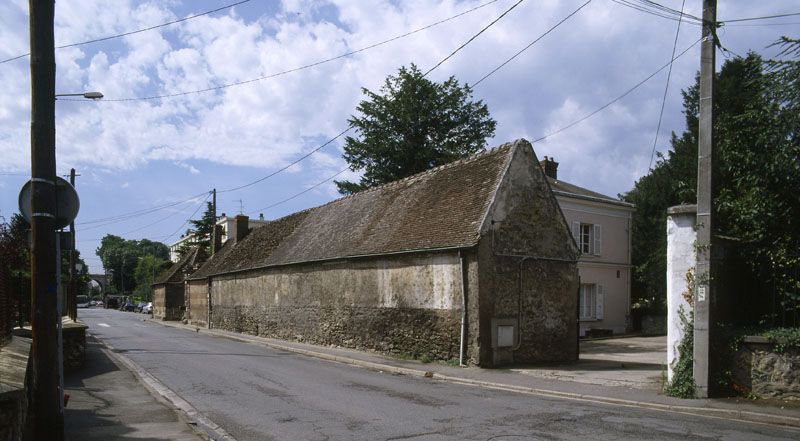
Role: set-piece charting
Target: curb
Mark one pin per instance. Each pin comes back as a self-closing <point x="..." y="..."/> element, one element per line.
<point x="208" y="428"/>
<point x="706" y="412"/>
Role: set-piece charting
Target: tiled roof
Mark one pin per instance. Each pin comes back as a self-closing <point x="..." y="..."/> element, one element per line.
<point x="571" y="190"/>
<point x="178" y="270"/>
<point x="440" y="208"/>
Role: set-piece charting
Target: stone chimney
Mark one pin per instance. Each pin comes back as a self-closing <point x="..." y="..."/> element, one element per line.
<point x="261" y="216"/>
<point x="216" y="239"/>
<point x="242" y="227"/>
<point x="549" y="167"/>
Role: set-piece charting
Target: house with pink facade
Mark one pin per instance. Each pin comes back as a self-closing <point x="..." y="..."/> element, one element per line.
<point x="601" y="227"/>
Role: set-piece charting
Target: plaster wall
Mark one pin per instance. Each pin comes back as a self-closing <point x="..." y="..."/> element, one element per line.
<point x="168" y="301"/>
<point x="197" y="302"/>
<point x="409" y="304"/>
<point x="681" y="236"/>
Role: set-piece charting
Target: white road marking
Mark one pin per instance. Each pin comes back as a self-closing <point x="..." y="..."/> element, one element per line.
<point x="104" y="325"/>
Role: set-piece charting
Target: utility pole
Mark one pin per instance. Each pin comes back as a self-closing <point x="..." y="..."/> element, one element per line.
<point x="47" y="418"/>
<point x="214" y="226"/>
<point x="704" y="295"/>
<point x="72" y="299"/>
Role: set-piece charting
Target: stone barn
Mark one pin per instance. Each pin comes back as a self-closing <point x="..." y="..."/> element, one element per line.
<point x="472" y="260"/>
<point x="169" y="290"/>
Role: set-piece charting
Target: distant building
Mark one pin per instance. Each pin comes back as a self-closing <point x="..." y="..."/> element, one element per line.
<point x="227" y="223"/>
<point x="601" y="226"/>
<point x="472" y="256"/>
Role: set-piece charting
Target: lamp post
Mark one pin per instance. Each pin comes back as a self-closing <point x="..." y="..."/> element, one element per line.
<point x="87" y="95"/>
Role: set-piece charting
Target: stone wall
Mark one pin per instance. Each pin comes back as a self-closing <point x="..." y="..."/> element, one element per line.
<point x="528" y="272"/>
<point x="765" y="373"/>
<point x="13" y="388"/>
<point x="197" y="302"/>
<point x="168" y="301"/>
<point x="409" y="304"/>
<point x="74" y="338"/>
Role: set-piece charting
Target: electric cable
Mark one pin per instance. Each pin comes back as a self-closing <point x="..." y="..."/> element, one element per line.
<point x="531" y="43"/>
<point x="666" y="88"/>
<point x="124" y="34"/>
<point x="295" y="69"/>
<point x="300" y="193"/>
<point x="350" y="126"/>
<point x="623" y="95"/>
<point x="132" y="214"/>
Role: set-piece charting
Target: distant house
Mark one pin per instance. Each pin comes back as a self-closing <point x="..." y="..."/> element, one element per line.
<point x="168" y="289"/>
<point x="227" y="224"/>
<point x="601" y="226"/>
<point x="472" y="258"/>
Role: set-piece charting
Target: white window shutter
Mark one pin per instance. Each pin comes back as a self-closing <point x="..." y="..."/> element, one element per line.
<point x="576" y="232"/>
<point x="598" y="240"/>
<point x="598" y="313"/>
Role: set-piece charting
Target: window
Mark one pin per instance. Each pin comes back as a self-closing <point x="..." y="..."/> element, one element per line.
<point x="591" y="301"/>
<point x="588" y="237"/>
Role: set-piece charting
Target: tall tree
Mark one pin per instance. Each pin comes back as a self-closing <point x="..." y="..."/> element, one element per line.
<point x="121" y="256"/>
<point x="201" y="232"/>
<point x="756" y="176"/>
<point x="411" y="125"/>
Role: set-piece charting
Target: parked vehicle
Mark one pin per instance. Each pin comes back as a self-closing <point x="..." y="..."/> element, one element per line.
<point x="112" y="303"/>
<point x="82" y="301"/>
<point x="128" y="307"/>
<point x="139" y="307"/>
<point x="147" y="308"/>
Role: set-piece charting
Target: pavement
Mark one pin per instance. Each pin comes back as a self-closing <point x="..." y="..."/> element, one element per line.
<point x="108" y="402"/>
<point x="113" y="398"/>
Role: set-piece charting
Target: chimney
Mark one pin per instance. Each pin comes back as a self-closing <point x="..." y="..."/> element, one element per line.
<point x="242" y="227"/>
<point x="261" y="216"/>
<point x="216" y="239"/>
<point x="549" y="167"/>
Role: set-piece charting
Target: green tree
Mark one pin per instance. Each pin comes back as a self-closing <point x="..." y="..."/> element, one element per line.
<point x="756" y="176"/>
<point x="201" y="233"/>
<point x="412" y="125"/>
<point x="121" y="256"/>
<point x="147" y="269"/>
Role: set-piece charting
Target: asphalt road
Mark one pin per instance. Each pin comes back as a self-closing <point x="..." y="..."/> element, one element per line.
<point x="258" y="393"/>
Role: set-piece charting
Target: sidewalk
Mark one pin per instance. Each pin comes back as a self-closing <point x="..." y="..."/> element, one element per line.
<point x="107" y="402"/>
<point x="526" y="380"/>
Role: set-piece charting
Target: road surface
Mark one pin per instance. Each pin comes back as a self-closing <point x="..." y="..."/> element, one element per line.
<point x="257" y="393"/>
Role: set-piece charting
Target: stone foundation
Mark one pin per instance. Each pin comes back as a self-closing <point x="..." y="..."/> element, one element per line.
<point x="13" y="388"/>
<point x="406" y="331"/>
<point x="762" y="372"/>
<point x="74" y="338"/>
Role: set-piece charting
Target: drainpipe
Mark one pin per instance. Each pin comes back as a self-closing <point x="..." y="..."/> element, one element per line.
<point x="464" y="279"/>
<point x="519" y="303"/>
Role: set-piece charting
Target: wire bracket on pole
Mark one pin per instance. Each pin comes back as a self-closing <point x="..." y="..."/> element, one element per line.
<point x="51" y="216"/>
<point x="44" y="181"/>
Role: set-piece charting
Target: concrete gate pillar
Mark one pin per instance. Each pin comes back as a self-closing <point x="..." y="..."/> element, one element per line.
<point x="681" y="260"/>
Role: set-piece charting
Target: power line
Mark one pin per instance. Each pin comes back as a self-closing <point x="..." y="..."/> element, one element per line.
<point x="735" y="20"/>
<point x="666" y="87"/>
<point x="188" y="219"/>
<point x="350" y="126"/>
<point x="137" y="213"/>
<point x="301" y="193"/>
<point x="531" y="43"/>
<point x="472" y="38"/>
<point x="150" y="28"/>
<point x="623" y="95"/>
<point x="295" y="69"/>
<point x="659" y="10"/>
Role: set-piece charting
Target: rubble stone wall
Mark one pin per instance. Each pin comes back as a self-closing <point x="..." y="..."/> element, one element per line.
<point x="408" y="305"/>
<point x="764" y="372"/>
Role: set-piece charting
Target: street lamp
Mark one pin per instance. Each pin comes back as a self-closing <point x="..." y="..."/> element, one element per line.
<point x="87" y="95"/>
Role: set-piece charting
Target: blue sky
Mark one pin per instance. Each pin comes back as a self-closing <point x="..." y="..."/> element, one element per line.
<point x="133" y="155"/>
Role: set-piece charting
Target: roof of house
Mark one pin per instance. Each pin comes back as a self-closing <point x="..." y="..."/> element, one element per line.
<point x="177" y="272"/>
<point x="441" y="208"/>
<point x="571" y="190"/>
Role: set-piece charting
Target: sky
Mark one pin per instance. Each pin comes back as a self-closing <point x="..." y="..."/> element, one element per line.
<point x="280" y="87"/>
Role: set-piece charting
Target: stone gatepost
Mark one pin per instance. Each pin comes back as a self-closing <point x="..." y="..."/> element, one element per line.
<point x="681" y="259"/>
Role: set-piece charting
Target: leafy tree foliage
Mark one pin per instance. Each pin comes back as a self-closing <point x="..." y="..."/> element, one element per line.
<point x="411" y="125"/>
<point x="757" y="174"/>
<point x="147" y="270"/>
<point x="120" y="258"/>
<point x="201" y="233"/>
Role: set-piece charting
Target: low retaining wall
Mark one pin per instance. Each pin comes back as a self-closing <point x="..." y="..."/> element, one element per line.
<point x="13" y="388"/>
<point x="74" y="338"/>
<point x="763" y="372"/>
